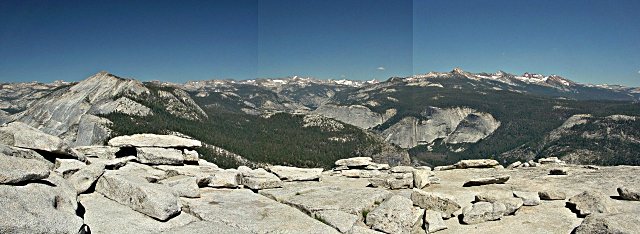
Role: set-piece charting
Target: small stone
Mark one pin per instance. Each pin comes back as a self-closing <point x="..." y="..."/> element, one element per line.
<point x="629" y="194"/>
<point x="528" y="198"/>
<point x="552" y="195"/>
<point x="514" y="165"/>
<point x="484" y="181"/>
<point x="434" y="222"/>
<point x="558" y="171"/>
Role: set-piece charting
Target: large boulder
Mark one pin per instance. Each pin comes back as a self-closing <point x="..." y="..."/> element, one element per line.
<point x="21" y="135"/>
<point x="38" y="208"/>
<point x="355" y="162"/>
<point x="154" y="200"/>
<point x="552" y="195"/>
<point x="21" y="153"/>
<point x="158" y="156"/>
<point x="489" y="180"/>
<point x="433" y="201"/>
<point x="153" y="140"/>
<point x="477" y="163"/>
<point x="421" y="178"/>
<point x="15" y="170"/>
<point x="393" y="181"/>
<point x="482" y="212"/>
<point x="609" y="223"/>
<point x="260" y="179"/>
<point x="629" y="194"/>
<point x="395" y="215"/>
<point x="86" y="177"/>
<point x="296" y="174"/>
<point x="590" y="202"/>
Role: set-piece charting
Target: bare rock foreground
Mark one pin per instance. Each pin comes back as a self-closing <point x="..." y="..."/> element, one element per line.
<point x="157" y="184"/>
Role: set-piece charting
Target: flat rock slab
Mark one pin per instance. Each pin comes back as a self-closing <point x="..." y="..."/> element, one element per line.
<point x="38" y="208"/>
<point x="104" y="215"/>
<point x="104" y="152"/>
<point x="433" y="221"/>
<point x="318" y="198"/>
<point x="296" y="174"/>
<point x="552" y="195"/>
<point x="15" y="170"/>
<point x="339" y="220"/>
<point x="159" y="156"/>
<point x="482" y="212"/>
<point x="476" y="163"/>
<point x="154" y="200"/>
<point x="489" y="180"/>
<point x="66" y="167"/>
<point x="153" y="140"/>
<point x="355" y="162"/>
<point x="260" y="179"/>
<point x="251" y="212"/>
<point x="183" y="186"/>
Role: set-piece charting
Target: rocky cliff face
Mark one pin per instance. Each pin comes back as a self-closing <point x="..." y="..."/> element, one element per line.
<point x="452" y="125"/>
<point x="68" y="112"/>
<point x="356" y="115"/>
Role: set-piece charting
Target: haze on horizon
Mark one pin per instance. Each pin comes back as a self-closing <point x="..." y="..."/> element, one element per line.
<point x="588" y="42"/>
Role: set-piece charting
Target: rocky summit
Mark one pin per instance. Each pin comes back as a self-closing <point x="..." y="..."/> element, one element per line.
<point x="158" y="184"/>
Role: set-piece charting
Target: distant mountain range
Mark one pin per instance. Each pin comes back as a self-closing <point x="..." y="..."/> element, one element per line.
<point x="434" y="118"/>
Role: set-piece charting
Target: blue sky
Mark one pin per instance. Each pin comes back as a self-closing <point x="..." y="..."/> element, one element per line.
<point x="586" y="41"/>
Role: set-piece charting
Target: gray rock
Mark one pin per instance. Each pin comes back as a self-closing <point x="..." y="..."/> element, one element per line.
<point x="296" y="174"/>
<point x="147" y="172"/>
<point x="158" y="156"/>
<point x="489" y="180"/>
<point x="609" y="223"/>
<point x="311" y="199"/>
<point x="103" y="152"/>
<point x="362" y="230"/>
<point x="203" y="162"/>
<point x="86" y="177"/>
<point x="355" y="173"/>
<point x="550" y="160"/>
<point x="356" y="115"/>
<point x="476" y="163"/>
<point x="66" y="167"/>
<point x="154" y="200"/>
<point x="421" y="178"/>
<point x="514" y="165"/>
<point x="206" y="227"/>
<point x="528" y="198"/>
<point x="433" y="221"/>
<point x="393" y="181"/>
<point x="481" y="212"/>
<point x="112" y="164"/>
<point x="418" y="221"/>
<point x="123" y="105"/>
<point x="558" y="171"/>
<point x="552" y="195"/>
<point x="629" y="194"/>
<point x="355" y="162"/>
<point x="395" y="215"/>
<point x="183" y="186"/>
<point x="433" y="201"/>
<point x="21" y="153"/>
<point x="402" y="169"/>
<point x="153" y="140"/>
<point x="260" y="179"/>
<point x="444" y="168"/>
<point x="251" y="212"/>
<point x="21" y="135"/>
<point x="104" y="215"/>
<point x="590" y="202"/>
<point x="38" y="208"/>
<point x="377" y="166"/>
<point x="15" y="170"/>
<point x="339" y="220"/>
<point x="190" y="156"/>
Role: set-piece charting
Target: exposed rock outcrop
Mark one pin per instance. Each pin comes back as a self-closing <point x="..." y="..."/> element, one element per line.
<point x="356" y="115"/>
<point x="453" y="125"/>
<point x="16" y="170"/>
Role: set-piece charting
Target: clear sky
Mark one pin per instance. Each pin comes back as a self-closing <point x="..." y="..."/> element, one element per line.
<point x="586" y="41"/>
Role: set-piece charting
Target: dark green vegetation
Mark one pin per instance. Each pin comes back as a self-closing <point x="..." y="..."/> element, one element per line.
<point x="279" y="139"/>
<point x="525" y="121"/>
